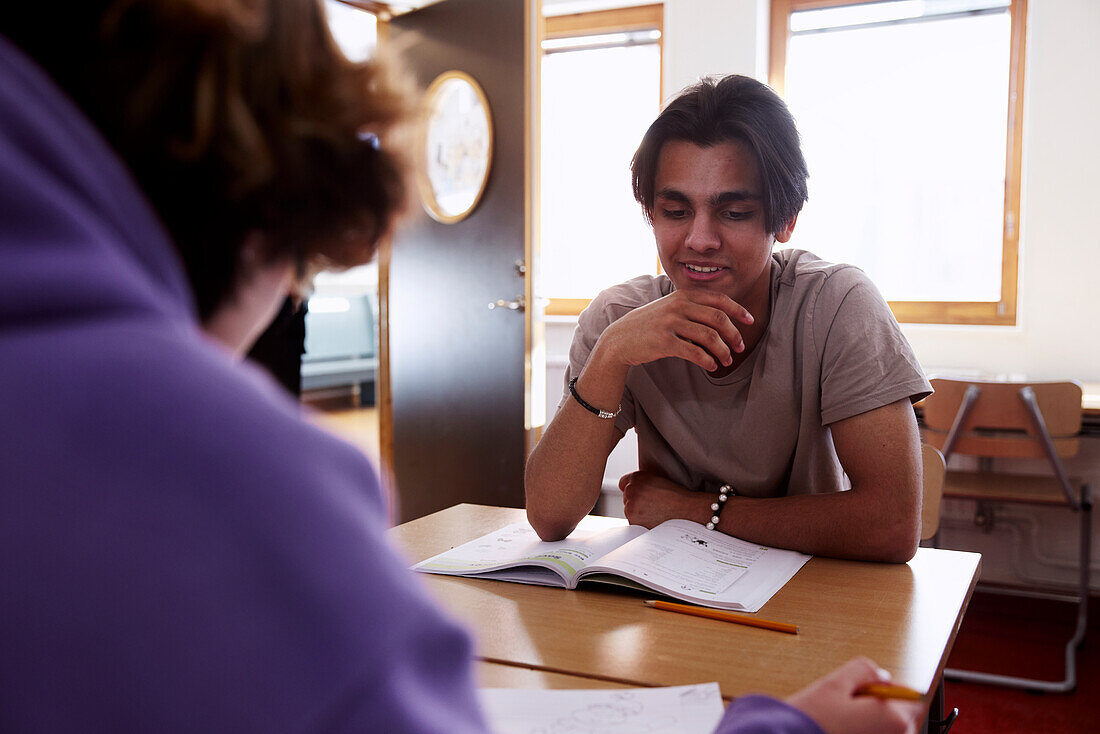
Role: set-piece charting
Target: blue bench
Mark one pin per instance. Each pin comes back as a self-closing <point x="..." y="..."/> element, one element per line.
<point x="341" y="343"/>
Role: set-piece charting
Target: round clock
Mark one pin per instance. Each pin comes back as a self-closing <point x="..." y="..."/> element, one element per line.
<point x="457" y="147"/>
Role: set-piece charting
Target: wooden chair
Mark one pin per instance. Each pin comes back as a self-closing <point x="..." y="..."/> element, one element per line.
<point x="1015" y="420"/>
<point x="934" y="469"/>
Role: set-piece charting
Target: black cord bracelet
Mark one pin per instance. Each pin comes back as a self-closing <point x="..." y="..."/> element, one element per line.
<point x="590" y="408"/>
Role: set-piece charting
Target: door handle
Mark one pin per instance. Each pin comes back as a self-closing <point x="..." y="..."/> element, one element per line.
<point x="520" y="304"/>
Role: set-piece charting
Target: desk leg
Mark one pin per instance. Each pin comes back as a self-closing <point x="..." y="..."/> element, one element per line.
<point x="938" y="721"/>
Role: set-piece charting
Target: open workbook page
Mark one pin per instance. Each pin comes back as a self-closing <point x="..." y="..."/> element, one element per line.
<point x="678" y="558"/>
<point x="683" y="559"/>
<point x="516" y="553"/>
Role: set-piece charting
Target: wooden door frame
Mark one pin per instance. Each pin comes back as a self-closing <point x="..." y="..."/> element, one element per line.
<point x="383" y="396"/>
<point x="534" y="405"/>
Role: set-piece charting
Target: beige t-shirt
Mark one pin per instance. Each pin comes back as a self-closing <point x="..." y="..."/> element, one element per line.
<point x="832" y="350"/>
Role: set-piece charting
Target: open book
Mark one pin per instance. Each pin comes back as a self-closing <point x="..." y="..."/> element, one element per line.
<point x="678" y="558"/>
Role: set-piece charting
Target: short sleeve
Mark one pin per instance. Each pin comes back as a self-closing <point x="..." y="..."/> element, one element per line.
<point x="866" y="362"/>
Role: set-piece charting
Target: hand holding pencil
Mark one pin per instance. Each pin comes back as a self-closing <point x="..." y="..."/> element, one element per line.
<point x="858" y="698"/>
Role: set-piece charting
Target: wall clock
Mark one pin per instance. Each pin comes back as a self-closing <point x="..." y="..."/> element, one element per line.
<point x="457" y="147"/>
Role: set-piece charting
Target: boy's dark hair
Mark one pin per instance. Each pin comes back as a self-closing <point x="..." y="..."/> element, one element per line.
<point x="235" y="116"/>
<point x="733" y="108"/>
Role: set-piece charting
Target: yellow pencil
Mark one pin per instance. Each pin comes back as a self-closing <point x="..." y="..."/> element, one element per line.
<point x="791" y="629"/>
<point x="889" y="690"/>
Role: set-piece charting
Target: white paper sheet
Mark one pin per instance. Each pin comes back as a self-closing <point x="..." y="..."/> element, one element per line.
<point x="673" y="710"/>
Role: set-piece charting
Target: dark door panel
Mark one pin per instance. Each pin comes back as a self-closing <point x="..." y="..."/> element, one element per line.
<point x="457" y="366"/>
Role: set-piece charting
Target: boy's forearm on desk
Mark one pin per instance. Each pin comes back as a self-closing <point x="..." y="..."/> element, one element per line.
<point x="838" y="525"/>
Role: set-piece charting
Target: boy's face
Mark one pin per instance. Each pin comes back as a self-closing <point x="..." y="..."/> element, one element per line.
<point x="708" y="220"/>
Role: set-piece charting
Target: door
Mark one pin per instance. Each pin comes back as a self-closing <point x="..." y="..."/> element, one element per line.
<point x="458" y="405"/>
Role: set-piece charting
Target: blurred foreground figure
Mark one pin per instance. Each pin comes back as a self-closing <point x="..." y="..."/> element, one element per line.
<point x="179" y="550"/>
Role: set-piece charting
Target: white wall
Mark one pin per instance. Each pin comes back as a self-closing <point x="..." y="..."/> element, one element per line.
<point x="703" y="37"/>
<point x="1059" y="311"/>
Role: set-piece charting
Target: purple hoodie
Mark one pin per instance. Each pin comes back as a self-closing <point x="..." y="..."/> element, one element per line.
<point x="179" y="550"/>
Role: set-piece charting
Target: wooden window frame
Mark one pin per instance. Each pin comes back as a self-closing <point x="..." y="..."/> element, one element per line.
<point x="1002" y="313"/>
<point x="380" y="10"/>
<point x="616" y="20"/>
<point x="577" y="25"/>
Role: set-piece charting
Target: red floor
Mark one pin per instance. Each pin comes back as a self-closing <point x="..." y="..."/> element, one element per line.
<point x="1024" y="637"/>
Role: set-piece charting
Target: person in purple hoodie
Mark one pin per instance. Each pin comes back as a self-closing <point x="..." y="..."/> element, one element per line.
<point x="179" y="550"/>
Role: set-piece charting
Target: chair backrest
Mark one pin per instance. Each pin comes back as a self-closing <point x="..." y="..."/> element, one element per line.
<point x="934" y="469"/>
<point x="998" y="422"/>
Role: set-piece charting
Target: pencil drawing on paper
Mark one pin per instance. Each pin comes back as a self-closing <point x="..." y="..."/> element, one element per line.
<point x="674" y="710"/>
<point x="622" y="713"/>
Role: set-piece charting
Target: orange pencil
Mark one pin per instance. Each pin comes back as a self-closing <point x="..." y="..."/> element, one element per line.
<point x="791" y="629"/>
<point x="889" y="690"/>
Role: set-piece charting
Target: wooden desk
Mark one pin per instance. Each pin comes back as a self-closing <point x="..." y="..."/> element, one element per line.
<point x="905" y="617"/>
<point x="498" y="675"/>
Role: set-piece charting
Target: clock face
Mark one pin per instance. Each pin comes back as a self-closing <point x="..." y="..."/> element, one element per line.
<point x="457" y="147"/>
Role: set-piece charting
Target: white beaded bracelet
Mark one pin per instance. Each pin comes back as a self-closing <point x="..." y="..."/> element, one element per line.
<point x="716" y="507"/>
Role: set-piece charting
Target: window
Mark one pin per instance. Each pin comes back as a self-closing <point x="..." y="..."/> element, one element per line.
<point x="601" y="88"/>
<point x="354" y="30"/>
<point x="356" y="34"/>
<point x="342" y="317"/>
<point x="909" y="112"/>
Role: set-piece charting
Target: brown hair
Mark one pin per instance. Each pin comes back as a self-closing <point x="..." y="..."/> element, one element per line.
<point x="235" y="116"/>
<point x="733" y="108"/>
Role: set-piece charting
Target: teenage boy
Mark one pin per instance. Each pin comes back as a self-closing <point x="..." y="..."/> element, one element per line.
<point x="761" y="384"/>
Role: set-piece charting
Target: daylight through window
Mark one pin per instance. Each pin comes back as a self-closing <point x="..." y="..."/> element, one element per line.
<point x="903" y="109"/>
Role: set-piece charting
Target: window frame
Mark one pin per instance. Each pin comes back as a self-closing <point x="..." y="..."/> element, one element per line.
<point x="578" y="25"/>
<point x="379" y="9"/>
<point x="1003" y="312"/>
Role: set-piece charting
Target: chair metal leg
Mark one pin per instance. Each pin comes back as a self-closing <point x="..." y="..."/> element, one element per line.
<point x="1070" y="681"/>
